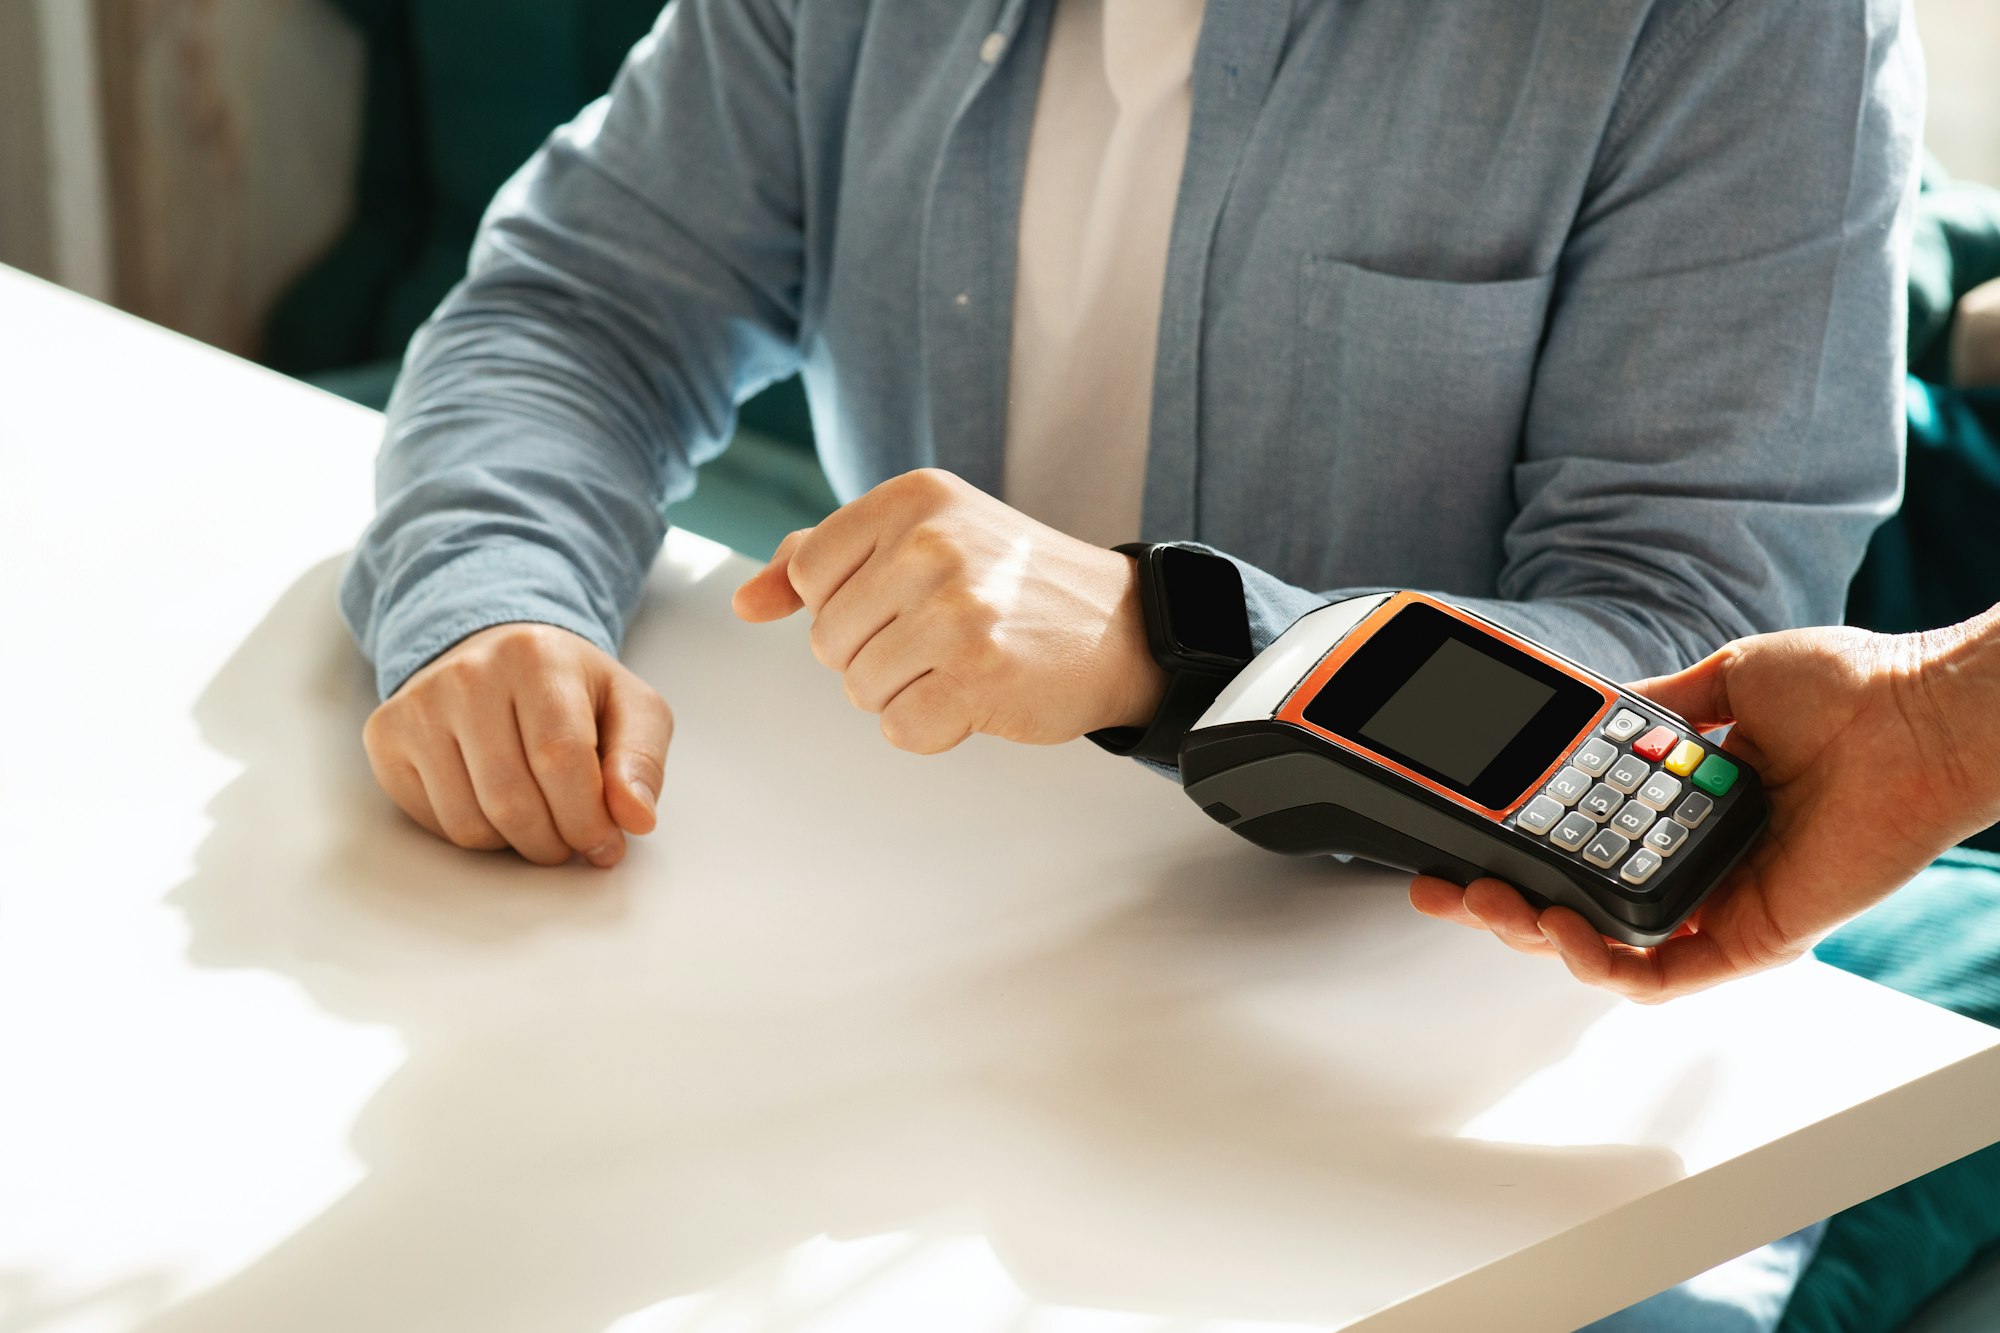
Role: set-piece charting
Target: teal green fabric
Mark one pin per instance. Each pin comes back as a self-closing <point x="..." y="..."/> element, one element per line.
<point x="1939" y="940"/>
<point x="495" y="77"/>
<point x="332" y="316"/>
<point x="760" y="489"/>
<point x="1956" y="247"/>
<point x="1938" y="560"/>
<point x="459" y="93"/>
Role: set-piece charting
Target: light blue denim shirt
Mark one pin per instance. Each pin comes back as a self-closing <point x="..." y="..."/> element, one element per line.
<point x="1586" y="313"/>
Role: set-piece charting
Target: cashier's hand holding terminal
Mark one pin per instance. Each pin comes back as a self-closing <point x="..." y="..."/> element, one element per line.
<point x="1878" y="752"/>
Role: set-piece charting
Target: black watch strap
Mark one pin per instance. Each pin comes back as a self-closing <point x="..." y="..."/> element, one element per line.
<point x="1189" y="693"/>
<point x="1191" y="686"/>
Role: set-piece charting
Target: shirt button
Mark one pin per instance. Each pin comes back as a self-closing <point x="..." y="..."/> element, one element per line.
<point x="993" y="48"/>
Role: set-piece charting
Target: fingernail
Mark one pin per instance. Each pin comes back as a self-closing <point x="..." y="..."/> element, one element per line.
<point x="643" y="790"/>
<point x="603" y="856"/>
<point x="1547" y="934"/>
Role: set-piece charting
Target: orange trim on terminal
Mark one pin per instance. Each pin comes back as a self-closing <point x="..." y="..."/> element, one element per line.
<point x="1293" y="710"/>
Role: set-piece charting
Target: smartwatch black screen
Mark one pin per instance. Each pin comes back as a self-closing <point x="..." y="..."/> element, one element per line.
<point x="1203" y="595"/>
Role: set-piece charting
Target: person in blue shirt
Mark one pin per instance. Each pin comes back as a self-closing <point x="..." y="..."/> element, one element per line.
<point x="1587" y="313"/>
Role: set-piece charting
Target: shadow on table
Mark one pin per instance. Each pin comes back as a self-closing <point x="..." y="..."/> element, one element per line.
<point x="623" y="1087"/>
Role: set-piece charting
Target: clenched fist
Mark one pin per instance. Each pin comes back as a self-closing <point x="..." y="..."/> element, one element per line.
<point x="525" y="736"/>
<point x="949" y="613"/>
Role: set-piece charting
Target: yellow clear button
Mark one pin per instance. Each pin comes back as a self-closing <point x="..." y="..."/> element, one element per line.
<point x="1685" y="759"/>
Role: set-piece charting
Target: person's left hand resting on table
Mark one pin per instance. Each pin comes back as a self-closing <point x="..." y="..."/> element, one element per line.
<point x="949" y="613"/>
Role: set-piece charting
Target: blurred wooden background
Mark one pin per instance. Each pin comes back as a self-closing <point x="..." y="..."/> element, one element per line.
<point x="186" y="158"/>
<point x="183" y="158"/>
<point x="231" y="129"/>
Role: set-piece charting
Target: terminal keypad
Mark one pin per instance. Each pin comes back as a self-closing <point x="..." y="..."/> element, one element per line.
<point x="1629" y="797"/>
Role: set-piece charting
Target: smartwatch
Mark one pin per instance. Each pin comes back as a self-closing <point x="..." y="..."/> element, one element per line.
<point x="1198" y="629"/>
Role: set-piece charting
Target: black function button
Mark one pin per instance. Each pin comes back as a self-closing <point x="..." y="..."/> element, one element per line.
<point x="1694" y="809"/>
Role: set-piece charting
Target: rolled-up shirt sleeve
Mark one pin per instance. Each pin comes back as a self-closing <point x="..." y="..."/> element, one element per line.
<point x="1716" y="424"/>
<point x="638" y="278"/>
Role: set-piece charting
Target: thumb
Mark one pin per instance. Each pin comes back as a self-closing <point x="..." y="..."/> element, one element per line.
<point x="634" y="727"/>
<point x="1700" y="694"/>
<point x="768" y="594"/>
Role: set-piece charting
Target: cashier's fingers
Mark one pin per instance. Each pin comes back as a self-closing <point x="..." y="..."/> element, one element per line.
<point x="1700" y="693"/>
<point x="1507" y="914"/>
<point x="1487" y="905"/>
<point x="1687" y="963"/>
<point x="1444" y="900"/>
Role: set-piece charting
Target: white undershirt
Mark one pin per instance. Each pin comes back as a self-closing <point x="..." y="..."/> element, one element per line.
<point x="1097" y="208"/>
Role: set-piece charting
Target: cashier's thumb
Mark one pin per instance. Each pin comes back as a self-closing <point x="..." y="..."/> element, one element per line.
<point x="634" y="727"/>
<point x="1700" y="694"/>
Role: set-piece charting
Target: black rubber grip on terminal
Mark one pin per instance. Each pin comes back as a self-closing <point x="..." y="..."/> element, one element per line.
<point x="1320" y="828"/>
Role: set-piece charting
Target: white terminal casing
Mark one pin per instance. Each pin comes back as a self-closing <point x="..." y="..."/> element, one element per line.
<point x="1260" y="688"/>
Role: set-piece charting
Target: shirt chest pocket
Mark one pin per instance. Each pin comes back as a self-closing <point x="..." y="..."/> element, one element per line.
<point x="1400" y="373"/>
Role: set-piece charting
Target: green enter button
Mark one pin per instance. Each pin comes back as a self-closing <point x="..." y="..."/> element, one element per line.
<point x="1715" y="776"/>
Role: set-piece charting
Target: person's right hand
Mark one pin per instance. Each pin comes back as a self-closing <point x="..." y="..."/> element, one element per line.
<point x="525" y="736"/>
<point x="1878" y="753"/>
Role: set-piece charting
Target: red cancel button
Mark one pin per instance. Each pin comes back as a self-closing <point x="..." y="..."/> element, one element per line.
<point x="1653" y="746"/>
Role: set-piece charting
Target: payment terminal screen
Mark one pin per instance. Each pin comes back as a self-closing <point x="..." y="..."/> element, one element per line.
<point x="1459" y="706"/>
<point x="1458" y="711"/>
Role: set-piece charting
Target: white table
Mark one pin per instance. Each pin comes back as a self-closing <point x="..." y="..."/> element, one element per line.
<point x="1009" y="1039"/>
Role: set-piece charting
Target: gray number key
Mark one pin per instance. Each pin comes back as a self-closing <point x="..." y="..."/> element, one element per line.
<point x="1599" y="804"/>
<point x="1660" y="790"/>
<point x="1628" y="773"/>
<point x="1606" y="848"/>
<point x="1573" y="832"/>
<point x="1539" y="815"/>
<point x="1667" y="835"/>
<point x="1634" y="819"/>
<point x="1569" y="785"/>
<point x="1594" y="756"/>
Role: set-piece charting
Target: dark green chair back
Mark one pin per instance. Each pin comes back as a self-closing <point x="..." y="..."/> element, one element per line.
<point x="459" y="94"/>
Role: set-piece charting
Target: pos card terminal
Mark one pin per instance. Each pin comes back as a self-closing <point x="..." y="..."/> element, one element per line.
<point x="1404" y="730"/>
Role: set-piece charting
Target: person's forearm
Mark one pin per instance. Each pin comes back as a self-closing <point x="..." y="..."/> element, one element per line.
<point x="627" y="286"/>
